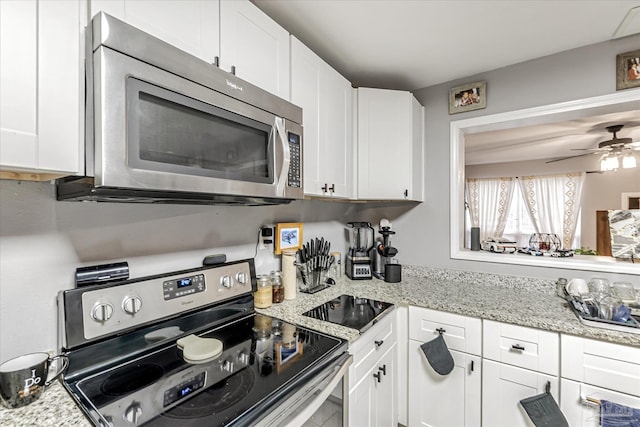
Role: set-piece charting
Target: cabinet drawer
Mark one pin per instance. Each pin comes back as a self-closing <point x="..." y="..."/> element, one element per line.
<point x="520" y="346"/>
<point x="613" y="366"/>
<point x="461" y="333"/>
<point x="371" y="346"/>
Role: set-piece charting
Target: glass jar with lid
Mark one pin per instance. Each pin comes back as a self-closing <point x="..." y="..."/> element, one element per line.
<point x="277" y="288"/>
<point x="263" y="297"/>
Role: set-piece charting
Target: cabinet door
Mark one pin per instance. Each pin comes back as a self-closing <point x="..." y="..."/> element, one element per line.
<point x="451" y="400"/>
<point x="336" y="124"/>
<point x="503" y="387"/>
<point x="40" y="95"/>
<point x="384" y="144"/>
<point x="361" y="401"/>
<point x="326" y="100"/>
<point x="255" y="45"/>
<point x="579" y="402"/>
<point x="190" y="25"/>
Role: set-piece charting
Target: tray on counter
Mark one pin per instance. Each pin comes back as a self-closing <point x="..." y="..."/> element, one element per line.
<point x="585" y="317"/>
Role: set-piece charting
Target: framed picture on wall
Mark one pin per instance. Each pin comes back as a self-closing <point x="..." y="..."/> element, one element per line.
<point x="288" y="236"/>
<point x="472" y="96"/>
<point x="628" y="70"/>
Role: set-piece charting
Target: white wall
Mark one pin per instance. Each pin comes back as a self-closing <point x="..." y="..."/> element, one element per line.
<point x="43" y="241"/>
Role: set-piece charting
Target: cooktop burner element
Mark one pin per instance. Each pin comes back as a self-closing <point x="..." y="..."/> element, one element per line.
<point x="352" y="312"/>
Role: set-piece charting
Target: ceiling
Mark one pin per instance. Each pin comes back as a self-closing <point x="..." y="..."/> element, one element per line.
<point x="411" y="44"/>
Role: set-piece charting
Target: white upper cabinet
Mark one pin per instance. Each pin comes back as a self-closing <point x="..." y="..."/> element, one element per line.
<point x="190" y="25"/>
<point x="326" y="98"/>
<point x="40" y="89"/>
<point x="390" y="152"/>
<point x="255" y="45"/>
<point x="236" y="34"/>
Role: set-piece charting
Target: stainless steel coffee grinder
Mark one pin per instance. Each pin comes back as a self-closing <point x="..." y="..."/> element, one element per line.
<point x="383" y="252"/>
<point x="358" y="265"/>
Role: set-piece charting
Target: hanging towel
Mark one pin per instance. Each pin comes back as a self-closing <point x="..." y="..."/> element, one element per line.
<point x="543" y="410"/>
<point x="617" y="415"/>
<point x="438" y="355"/>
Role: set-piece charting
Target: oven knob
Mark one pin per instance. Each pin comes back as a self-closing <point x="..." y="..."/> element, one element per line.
<point x="226" y="281"/>
<point x="133" y="413"/>
<point x="132" y="305"/>
<point x="227" y="366"/>
<point x="243" y="358"/>
<point x="242" y="278"/>
<point x="101" y="311"/>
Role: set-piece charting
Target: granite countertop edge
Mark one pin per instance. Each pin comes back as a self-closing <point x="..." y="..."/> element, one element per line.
<point x="520" y="301"/>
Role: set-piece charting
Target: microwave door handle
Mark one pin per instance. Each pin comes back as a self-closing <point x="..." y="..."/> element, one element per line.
<point x="286" y="155"/>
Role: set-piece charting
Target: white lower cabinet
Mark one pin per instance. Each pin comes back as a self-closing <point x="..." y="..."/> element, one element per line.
<point x="503" y="386"/>
<point x="451" y="400"/>
<point x="593" y="371"/>
<point x="372" y="377"/>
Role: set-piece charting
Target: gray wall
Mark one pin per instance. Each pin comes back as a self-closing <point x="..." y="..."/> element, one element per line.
<point x="43" y="241"/>
<point x="423" y="232"/>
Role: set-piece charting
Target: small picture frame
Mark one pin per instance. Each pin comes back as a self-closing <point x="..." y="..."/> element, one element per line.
<point x="472" y="96"/>
<point x="288" y="236"/>
<point x="628" y="70"/>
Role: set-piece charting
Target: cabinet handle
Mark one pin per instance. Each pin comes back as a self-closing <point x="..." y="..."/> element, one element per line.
<point x="233" y="70"/>
<point x="377" y="376"/>
<point x="216" y="61"/>
<point x="471" y="366"/>
<point x="383" y="369"/>
<point x="379" y="343"/>
<point x="333" y="188"/>
<point x="406" y="193"/>
<point x="440" y="330"/>
<point x="517" y="347"/>
<point x="325" y="188"/>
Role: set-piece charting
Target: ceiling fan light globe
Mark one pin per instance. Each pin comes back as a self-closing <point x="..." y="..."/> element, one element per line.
<point x="628" y="161"/>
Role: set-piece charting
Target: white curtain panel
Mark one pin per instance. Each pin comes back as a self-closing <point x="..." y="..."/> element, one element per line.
<point x="489" y="200"/>
<point x="553" y="202"/>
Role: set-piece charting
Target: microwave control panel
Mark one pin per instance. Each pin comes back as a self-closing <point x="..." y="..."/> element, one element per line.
<point x="295" y="167"/>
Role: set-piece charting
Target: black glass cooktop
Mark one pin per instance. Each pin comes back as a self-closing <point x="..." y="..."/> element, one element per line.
<point x="350" y="311"/>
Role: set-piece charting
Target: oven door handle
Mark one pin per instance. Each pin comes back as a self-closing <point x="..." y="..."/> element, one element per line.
<point x="308" y="407"/>
<point x="280" y="136"/>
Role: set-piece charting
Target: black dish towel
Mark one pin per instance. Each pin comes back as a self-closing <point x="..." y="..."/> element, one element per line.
<point x="438" y="355"/>
<point x="544" y="411"/>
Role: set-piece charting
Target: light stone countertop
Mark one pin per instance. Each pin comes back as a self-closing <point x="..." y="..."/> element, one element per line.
<point x="517" y="300"/>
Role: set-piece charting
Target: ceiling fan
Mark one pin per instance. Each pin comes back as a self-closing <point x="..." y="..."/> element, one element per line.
<point x="615" y="151"/>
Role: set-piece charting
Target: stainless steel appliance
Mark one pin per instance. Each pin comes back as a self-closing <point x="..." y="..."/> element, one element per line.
<point x="350" y="311"/>
<point x="165" y="126"/>
<point x="187" y="349"/>
<point x="358" y="265"/>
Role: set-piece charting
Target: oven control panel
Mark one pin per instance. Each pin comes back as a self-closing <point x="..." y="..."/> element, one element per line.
<point x="109" y="310"/>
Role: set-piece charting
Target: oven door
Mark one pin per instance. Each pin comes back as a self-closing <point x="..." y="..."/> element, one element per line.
<point x="325" y="396"/>
<point x="154" y="130"/>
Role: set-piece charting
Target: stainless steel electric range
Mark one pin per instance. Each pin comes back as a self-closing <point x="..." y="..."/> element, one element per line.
<point x="187" y="348"/>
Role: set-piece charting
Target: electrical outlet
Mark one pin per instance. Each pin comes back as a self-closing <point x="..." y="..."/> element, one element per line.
<point x="267" y="234"/>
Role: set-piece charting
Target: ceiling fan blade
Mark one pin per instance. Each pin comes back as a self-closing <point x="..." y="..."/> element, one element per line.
<point x="566" y="158"/>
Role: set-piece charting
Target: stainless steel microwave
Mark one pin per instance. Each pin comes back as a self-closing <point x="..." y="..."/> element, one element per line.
<point x="163" y="126"/>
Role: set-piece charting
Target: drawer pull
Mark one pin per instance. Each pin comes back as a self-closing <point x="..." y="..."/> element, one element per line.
<point x="377" y="376"/>
<point x="517" y="347"/>
<point x="383" y="369"/>
<point x="440" y="331"/>
<point x="471" y="366"/>
<point x="379" y="343"/>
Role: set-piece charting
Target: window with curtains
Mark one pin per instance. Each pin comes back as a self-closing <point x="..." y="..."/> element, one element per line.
<point x="518" y="207"/>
